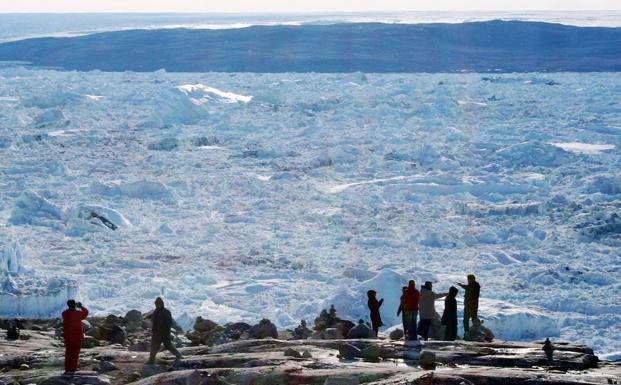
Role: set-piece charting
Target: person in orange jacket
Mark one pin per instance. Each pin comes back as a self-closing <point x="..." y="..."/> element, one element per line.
<point x="410" y="308"/>
<point x="73" y="333"/>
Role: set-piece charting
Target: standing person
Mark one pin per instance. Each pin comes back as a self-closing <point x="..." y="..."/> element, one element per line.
<point x="401" y="312"/>
<point x="374" y="306"/>
<point x="471" y="300"/>
<point x="548" y="348"/>
<point x="427" y="307"/>
<point x="162" y="322"/>
<point x="449" y="317"/>
<point x="73" y="334"/>
<point x="410" y="308"/>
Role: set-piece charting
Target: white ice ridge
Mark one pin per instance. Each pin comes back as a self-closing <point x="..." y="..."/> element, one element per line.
<point x="25" y="294"/>
<point x="201" y="94"/>
<point x="584" y="148"/>
<point x="438" y="186"/>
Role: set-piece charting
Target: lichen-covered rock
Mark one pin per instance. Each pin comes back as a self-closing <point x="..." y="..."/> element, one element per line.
<point x="133" y="321"/>
<point x="264" y="329"/>
<point x="396" y="335"/>
<point x="348" y="351"/>
<point x="202" y="325"/>
<point x="360" y="331"/>
<point x="427" y="359"/>
<point x="290" y="352"/>
<point x="372" y="352"/>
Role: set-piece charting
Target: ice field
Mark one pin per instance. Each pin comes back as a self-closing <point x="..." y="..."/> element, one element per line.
<point x="242" y="196"/>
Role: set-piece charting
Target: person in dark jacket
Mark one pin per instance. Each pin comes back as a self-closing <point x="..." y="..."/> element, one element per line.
<point x="401" y="312"/>
<point x="374" y="307"/>
<point x="73" y="333"/>
<point x="410" y="307"/>
<point x="471" y="300"/>
<point x="160" y="331"/>
<point x="449" y="317"/>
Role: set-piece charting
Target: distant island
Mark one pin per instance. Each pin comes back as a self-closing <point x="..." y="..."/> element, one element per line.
<point x="491" y="46"/>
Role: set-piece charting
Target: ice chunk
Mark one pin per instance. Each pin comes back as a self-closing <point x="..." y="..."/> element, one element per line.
<point x="33" y="209"/>
<point x="188" y="104"/>
<point x="84" y="219"/>
<point x="584" y="148"/>
<point x="23" y="294"/>
<point x="512" y="322"/>
<point x="200" y="94"/>
<point x="11" y="259"/>
<point x="54" y="118"/>
<point x="140" y="190"/>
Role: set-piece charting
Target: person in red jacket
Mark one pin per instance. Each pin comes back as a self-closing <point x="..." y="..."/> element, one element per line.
<point x="409" y="304"/>
<point x="73" y="334"/>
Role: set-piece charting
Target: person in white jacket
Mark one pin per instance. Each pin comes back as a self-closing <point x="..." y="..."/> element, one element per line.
<point x="427" y="308"/>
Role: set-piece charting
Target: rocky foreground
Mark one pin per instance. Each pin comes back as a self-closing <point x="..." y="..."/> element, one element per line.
<point x="116" y="350"/>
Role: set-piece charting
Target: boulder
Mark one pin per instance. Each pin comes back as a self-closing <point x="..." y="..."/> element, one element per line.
<point x="372" y="352"/>
<point x="133" y="377"/>
<point x="133" y="321"/>
<point x="360" y="331"/>
<point x="345" y="326"/>
<point x="106" y="366"/>
<point x="302" y="332"/>
<point x="86" y="326"/>
<point x="263" y="329"/>
<point x="396" y="334"/>
<point x="237" y="330"/>
<point x="332" y="334"/>
<point x="290" y="352"/>
<point x="590" y="361"/>
<point x="306" y="354"/>
<point x="89" y="342"/>
<point x="204" y="325"/>
<point x="348" y="351"/>
<point x="427" y="359"/>
<point x="114" y="334"/>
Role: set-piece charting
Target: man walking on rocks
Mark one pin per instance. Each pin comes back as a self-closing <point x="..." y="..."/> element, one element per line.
<point x="162" y="322"/>
<point x="410" y="308"/>
<point x="471" y="300"/>
<point x="73" y="334"/>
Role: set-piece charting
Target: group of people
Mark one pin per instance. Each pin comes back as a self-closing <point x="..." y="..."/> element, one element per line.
<point x="413" y="303"/>
<point x="419" y="306"/>
<point x="73" y="332"/>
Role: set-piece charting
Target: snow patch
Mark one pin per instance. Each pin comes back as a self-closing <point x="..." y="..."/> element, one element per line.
<point x="584" y="148"/>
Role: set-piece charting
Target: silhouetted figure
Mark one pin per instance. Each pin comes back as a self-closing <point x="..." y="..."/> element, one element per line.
<point x="449" y="317"/>
<point x="410" y="307"/>
<point x="478" y="332"/>
<point x="401" y="312"/>
<point x="12" y="333"/>
<point x="332" y="312"/>
<point x="374" y="307"/>
<point x="162" y="322"/>
<point x="548" y="348"/>
<point x="73" y="333"/>
<point x="471" y="300"/>
<point x="427" y="308"/>
<point x="302" y="332"/>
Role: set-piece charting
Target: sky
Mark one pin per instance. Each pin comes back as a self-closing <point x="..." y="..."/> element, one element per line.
<point x="251" y="6"/>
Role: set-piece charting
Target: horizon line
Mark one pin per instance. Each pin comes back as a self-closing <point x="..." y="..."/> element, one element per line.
<point x="303" y="12"/>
